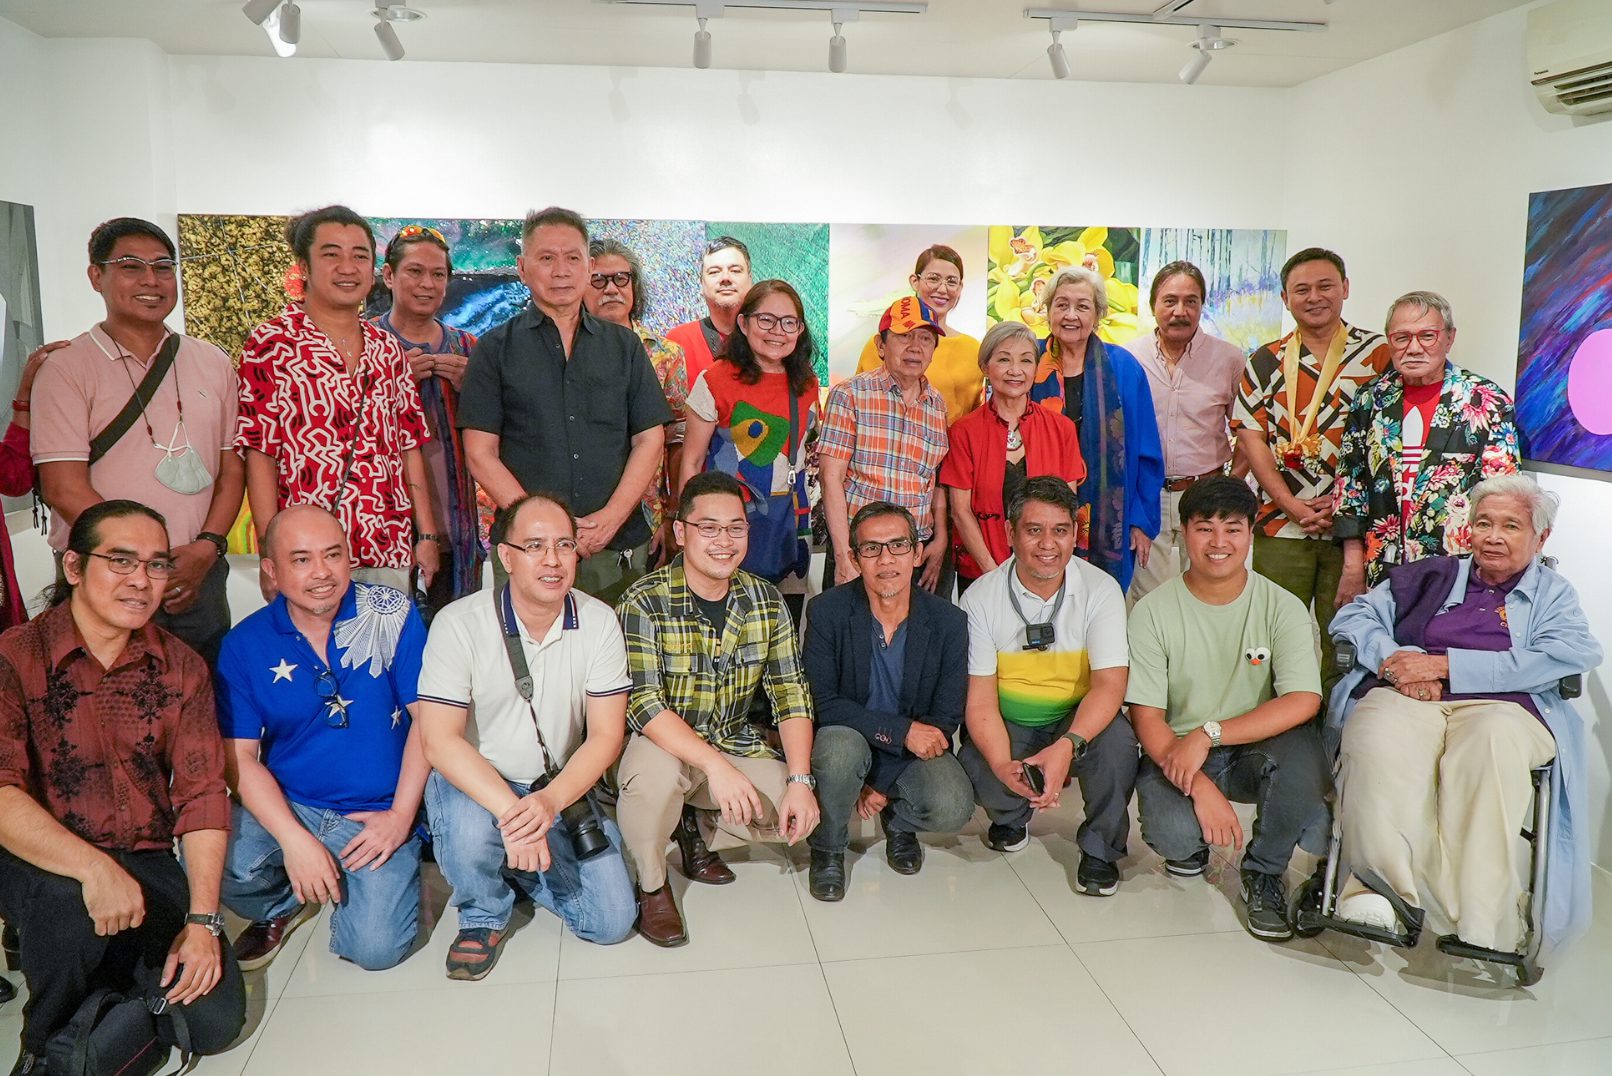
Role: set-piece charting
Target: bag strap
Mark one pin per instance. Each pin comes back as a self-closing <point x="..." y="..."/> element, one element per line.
<point x="98" y="1003"/>
<point x="132" y="410"/>
<point x="510" y="629"/>
<point x="187" y="1053"/>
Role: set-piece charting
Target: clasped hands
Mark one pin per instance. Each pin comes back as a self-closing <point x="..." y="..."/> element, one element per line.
<point x="1416" y="675"/>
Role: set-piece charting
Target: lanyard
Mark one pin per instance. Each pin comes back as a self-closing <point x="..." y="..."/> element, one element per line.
<point x="1013" y="599"/>
<point x="1323" y="381"/>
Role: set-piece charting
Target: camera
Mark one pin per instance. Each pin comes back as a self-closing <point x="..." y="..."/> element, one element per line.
<point x="581" y="824"/>
<point x="1039" y="636"/>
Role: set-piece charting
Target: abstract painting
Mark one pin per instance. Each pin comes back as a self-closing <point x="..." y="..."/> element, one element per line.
<point x="1243" y="269"/>
<point x="797" y="253"/>
<point x="1564" y="346"/>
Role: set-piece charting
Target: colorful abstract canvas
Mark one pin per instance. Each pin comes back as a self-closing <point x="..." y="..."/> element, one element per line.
<point x="1024" y="258"/>
<point x="1242" y="268"/>
<point x="1564" y="346"/>
<point x="797" y="253"/>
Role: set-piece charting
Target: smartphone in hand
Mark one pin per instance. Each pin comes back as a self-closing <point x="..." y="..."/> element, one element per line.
<point x="1034" y="778"/>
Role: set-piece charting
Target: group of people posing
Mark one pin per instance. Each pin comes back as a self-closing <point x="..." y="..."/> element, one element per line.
<point x="643" y="673"/>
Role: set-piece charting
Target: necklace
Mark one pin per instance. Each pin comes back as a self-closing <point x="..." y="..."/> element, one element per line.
<point x="1015" y="440"/>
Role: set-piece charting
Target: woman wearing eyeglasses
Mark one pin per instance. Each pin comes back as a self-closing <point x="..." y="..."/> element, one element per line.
<point x="751" y="415"/>
<point x="938" y="281"/>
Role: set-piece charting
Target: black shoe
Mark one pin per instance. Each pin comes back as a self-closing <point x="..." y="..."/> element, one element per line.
<point x="1266" y="897"/>
<point x="7" y="991"/>
<point x="29" y="1065"/>
<point x="11" y="946"/>
<point x="1007" y="838"/>
<point x="1097" y="877"/>
<point x="1188" y="868"/>
<point x="903" y="852"/>
<point x="827" y="875"/>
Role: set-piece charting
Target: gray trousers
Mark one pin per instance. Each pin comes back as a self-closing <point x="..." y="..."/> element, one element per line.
<point x="931" y="795"/>
<point x="1107" y="775"/>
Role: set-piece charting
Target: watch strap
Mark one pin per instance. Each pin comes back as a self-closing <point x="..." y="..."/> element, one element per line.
<point x="1078" y="742"/>
<point x="213" y="921"/>
<point x="803" y="779"/>
<point x="218" y="541"/>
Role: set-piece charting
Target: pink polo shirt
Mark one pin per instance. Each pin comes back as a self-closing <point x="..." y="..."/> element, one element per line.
<point x="1193" y="402"/>
<point x="81" y="388"/>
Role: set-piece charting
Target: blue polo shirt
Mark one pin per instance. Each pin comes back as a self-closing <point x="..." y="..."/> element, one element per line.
<point x="269" y="689"/>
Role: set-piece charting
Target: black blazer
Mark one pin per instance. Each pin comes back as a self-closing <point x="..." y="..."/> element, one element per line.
<point x="934" y="681"/>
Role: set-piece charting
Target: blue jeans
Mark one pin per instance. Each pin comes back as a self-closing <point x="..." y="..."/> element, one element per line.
<point x="375" y="924"/>
<point x="593" y="897"/>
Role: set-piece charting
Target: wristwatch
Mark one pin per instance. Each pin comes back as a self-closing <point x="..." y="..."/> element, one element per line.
<point x="1079" y="743"/>
<point x="218" y="541"/>
<point x="213" y="921"/>
<point x="437" y="538"/>
<point x="803" y="779"/>
<point x="1211" y="729"/>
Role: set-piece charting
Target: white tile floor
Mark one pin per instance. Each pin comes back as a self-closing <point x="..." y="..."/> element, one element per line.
<point x="981" y="964"/>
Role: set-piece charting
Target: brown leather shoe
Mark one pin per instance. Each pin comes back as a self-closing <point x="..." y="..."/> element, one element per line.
<point x="261" y="941"/>
<point x="658" y="919"/>
<point x="700" y="864"/>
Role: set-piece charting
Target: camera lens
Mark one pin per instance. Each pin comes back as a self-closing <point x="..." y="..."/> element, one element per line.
<point x="587" y="835"/>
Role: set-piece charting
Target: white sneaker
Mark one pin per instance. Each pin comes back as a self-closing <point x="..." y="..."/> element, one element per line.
<point x="1369" y="909"/>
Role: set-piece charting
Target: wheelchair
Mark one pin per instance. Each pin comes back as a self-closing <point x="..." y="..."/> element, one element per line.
<point x="1314" y="907"/>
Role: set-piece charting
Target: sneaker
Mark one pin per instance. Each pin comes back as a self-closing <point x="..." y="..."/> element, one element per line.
<point x="1007" y="838"/>
<point x="1188" y="868"/>
<point x="1266" y="897"/>
<point x="1097" y="877"/>
<point x="1369" y="909"/>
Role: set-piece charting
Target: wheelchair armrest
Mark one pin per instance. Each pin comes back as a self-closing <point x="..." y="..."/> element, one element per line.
<point x="1344" y="653"/>
<point x="1572" y="687"/>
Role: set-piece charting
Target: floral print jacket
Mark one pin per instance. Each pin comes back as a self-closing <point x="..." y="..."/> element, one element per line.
<point x="1473" y="436"/>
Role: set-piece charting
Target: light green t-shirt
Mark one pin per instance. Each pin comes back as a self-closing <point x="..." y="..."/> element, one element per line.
<point x="1202" y="662"/>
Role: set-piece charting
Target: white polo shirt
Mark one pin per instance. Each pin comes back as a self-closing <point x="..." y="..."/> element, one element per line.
<point x="583" y="656"/>
<point x="1040" y="687"/>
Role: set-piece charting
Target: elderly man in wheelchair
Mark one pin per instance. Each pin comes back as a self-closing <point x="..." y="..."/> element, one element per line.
<point x="1450" y="723"/>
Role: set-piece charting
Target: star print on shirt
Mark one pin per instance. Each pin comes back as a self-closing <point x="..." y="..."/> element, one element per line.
<point x="282" y="671"/>
<point x="397" y="716"/>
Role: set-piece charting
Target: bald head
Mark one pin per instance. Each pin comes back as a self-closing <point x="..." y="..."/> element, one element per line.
<point x="304" y="551"/>
<point x="294" y="519"/>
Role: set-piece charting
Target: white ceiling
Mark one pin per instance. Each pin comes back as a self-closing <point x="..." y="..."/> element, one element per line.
<point x="956" y="38"/>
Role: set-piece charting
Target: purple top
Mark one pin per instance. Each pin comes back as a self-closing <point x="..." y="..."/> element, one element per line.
<point x="1478" y="623"/>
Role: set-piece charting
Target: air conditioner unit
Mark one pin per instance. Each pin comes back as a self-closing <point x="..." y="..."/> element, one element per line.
<point x="1570" y="56"/>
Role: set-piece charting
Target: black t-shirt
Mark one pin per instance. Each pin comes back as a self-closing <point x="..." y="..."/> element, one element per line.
<point x="1074" y="396"/>
<point x="1013" y="479"/>
<point x="714" y="612"/>
<point x="565" y="425"/>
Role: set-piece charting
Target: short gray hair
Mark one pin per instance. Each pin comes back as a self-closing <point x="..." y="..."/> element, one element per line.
<point x="1001" y="333"/>
<point x="1542" y="503"/>
<point x="1077" y="274"/>
<point x="1424" y="301"/>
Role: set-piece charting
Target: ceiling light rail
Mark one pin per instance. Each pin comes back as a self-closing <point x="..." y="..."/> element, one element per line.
<point x="1205" y="45"/>
<point x="839" y="12"/>
<point x="1225" y="22"/>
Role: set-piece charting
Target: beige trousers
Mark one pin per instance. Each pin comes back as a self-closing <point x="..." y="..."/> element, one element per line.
<point x="1432" y="796"/>
<point x="654" y="788"/>
<point x="1168" y="557"/>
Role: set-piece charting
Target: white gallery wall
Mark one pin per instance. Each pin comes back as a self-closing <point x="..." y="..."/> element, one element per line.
<point x="1416" y="166"/>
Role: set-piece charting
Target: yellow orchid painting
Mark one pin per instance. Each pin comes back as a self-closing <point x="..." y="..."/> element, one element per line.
<point x="1024" y="258"/>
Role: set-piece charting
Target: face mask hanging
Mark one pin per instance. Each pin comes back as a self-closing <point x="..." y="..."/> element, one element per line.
<point x="181" y="469"/>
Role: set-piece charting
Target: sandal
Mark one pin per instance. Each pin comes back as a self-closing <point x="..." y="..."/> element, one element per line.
<point x="474" y="952"/>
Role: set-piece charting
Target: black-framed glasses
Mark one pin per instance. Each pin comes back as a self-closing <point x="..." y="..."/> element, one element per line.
<point x="133" y="266"/>
<point x="897" y="547"/>
<point x="329" y="690"/>
<point x="538" y="546"/>
<point x="788" y="324"/>
<point x="620" y="280"/>
<point x="156" y="567"/>
<point x="708" y="529"/>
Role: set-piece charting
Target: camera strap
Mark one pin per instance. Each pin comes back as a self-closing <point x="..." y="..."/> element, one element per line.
<point x="1013" y="599"/>
<point x="510" y="628"/>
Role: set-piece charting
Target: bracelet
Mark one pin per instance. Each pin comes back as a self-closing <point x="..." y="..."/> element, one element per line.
<point x="20" y="405"/>
<point x="219" y="542"/>
<point x="437" y="538"/>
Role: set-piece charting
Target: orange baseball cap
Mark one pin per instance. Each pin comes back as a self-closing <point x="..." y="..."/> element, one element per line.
<point x="907" y="314"/>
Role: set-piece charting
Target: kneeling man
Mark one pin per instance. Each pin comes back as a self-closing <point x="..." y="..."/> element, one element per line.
<point x="523" y="703"/>
<point x="1224" y="682"/>
<point x="887" y="664"/>
<point x="703" y="637"/>
<point x="316" y="693"/>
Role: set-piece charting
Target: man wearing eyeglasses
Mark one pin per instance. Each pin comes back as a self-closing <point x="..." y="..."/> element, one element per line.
<point x="888" y="667"/>
<point x="557" y="400"/>
<point x="703" y="637"/>
<point x="175" y="451"/>
<point x="109" y="751"/>
<point x="316" y="695"/>
<point x="1047" y="668"/>
<point x="512" y="771"/>
<point x="1418" y="439"/>
<point x="725" y="280"/>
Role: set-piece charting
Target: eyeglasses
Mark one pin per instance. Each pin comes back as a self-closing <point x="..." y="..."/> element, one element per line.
<point x="897" y="547"/>
<point x="156" y="567"/>
<point x="129" y="265"/>
<point x="620" y="280"/>
<point x="565" y="547"/>
<point x="707" y="529"/>
<point x="935" y="280"/>
<point x="329" y="690"/>
<point x="418" y="231"/>
<point x="1426" y="337"/>
<point x="787" y="324"/>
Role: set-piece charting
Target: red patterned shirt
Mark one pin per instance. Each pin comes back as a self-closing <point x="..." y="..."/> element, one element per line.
<point x="301" y="408"/>
<point x="126" y="758"/>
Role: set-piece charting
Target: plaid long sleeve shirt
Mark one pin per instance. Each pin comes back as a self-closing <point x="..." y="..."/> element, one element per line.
<point x="680" y="663"/>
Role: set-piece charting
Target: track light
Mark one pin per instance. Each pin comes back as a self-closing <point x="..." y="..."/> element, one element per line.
<point x="1055" y="53"/>
<point x="702" y="47"/>
<point x="290" y="23"/>
<point x="271" y="26"/>
<point x="836" y="51"/>
<point x="391" y="44"/>
<point x="1194" y="67"/>
<point x="1207" y="43"/>
<point x="259" y="10"/>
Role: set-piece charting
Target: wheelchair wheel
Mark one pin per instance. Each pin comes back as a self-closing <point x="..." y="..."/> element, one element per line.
<point x="1528" y="973"/>
<point x="1305" y="914"/>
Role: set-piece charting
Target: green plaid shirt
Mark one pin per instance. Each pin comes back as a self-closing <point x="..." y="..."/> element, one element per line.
<point x="679" y="664"/>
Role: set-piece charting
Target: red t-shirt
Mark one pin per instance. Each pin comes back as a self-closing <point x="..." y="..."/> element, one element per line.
<point x="1420" y="403"/>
